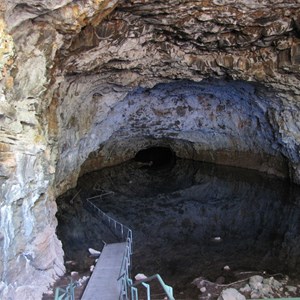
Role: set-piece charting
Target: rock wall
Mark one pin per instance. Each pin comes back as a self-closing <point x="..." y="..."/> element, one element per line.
<point x="30" y="250"/>
<point x="31" y="254"/>
<point x="144" y="43"/>
<point x="226" y="122"/>
<point x="100" y="79"/>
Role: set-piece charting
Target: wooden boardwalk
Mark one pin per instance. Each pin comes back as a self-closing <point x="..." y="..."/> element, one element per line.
<point x="103" y="283"/>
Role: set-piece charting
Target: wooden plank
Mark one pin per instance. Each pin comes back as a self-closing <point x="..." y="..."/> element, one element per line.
<point x="103" y="283"/>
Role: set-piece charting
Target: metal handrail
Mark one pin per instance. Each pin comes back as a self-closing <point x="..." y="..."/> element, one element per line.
<point x="124" y="271"/>
<point x="125" y="234"/>
<point x="126" y="283"/>
<point x="67" y="292"/>
<point x="122" y="231"/>
<point x="168" y="289"/>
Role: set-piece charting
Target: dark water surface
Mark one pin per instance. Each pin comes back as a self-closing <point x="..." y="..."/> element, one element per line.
<point x="176" y="214"/>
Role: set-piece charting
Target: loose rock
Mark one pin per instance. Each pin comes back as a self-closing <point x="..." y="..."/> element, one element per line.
<point x="255" y="282"/>
<point x="231" y="294"/>
<point x="94" y="252"/>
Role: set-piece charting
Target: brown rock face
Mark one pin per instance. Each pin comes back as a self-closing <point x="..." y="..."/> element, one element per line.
<point x="86" y="84"/>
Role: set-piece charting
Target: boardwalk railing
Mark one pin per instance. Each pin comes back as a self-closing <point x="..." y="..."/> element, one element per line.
<point x="128" y="289"/>
<point x="66" y="293"/>
<point x="124" y="275"/>
<point x="133" y="287"/>
<point x="125" y="234"/>
<point x="121" y="231"/>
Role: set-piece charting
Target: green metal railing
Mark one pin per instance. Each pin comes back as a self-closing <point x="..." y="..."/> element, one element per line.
<point x="121" y="231"/>
<point x="128" y="289"/>
<point x="66" y="293"/>
<point x="134" y="287"/>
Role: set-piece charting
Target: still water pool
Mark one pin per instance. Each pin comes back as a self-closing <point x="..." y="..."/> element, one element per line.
<point x="189" y="220"/>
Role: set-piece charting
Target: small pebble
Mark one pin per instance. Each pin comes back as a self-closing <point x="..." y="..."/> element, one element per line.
<point x="226" y="268"/>
<point x="140" y="276"/>
<point x="203" y="289"/>
<point x="92" y="267"/>
<point x="50" y="292"/>
<point x="94" y="252"/>
<point x="74" y="273"/>
<point x="82" y="280"/>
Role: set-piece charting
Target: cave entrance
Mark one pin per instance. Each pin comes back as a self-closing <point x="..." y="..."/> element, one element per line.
<point x="156" y="157"/>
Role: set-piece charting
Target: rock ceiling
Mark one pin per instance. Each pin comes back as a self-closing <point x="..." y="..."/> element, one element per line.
<point x="87" y="83"/>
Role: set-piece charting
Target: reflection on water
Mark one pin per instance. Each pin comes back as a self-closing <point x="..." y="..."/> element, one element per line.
<point x="177" y="213"/>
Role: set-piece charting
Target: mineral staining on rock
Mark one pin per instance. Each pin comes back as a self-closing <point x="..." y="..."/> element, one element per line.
<point x="71" y="69"/>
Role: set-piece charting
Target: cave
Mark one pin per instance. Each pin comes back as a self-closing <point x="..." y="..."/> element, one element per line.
<point x="156" y="157"/>
<point x="89" y="85"/>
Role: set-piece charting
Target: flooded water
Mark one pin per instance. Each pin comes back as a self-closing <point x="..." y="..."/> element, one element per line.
<point x="189" y="220"/>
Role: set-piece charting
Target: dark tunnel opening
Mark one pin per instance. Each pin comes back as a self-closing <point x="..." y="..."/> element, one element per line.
<point x="156" y="157"/>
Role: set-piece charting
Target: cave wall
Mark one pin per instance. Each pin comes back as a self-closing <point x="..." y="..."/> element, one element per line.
<point x="144" y="43"/>
<point x="31" y="254"/>
<point x="89" y="83"/>
<point x="226" y="122"/>
<point x="30" y="251"/>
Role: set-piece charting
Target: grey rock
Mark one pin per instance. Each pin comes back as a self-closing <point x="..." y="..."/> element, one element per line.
<point x="231" y="294"/>
<point x="277" y="285"/>
<point x="246" y="289"/>
<point x="291" y="289"/>
<point x="255" y="294"/>
<point x="266" y="290"/>
<point x="255" y="282"/>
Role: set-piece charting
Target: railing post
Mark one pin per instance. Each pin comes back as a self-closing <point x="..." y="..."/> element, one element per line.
<point x="122" y="231"/>
<point x="134" y="294"/>
<point x="115" y="225"/>
<point x="147" y="286"/>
